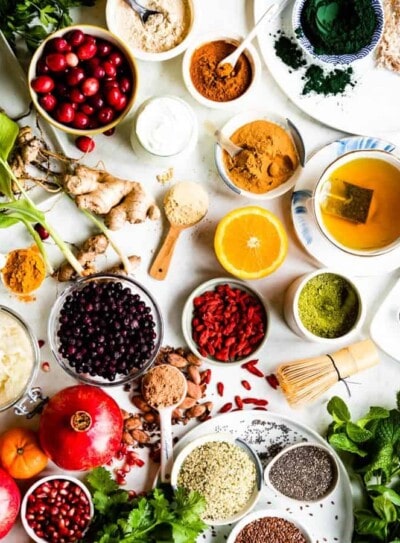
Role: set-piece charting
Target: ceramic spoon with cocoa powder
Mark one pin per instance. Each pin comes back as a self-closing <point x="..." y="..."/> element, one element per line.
<point x="164" y="388"/>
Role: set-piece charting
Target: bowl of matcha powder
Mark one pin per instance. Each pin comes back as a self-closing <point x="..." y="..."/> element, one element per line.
<point x="338" y="31"/>
<point x="324" y="306"/>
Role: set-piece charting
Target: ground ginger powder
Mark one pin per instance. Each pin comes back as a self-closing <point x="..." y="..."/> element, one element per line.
<point x="24" y="270"/>
<point x="268" y="159"/>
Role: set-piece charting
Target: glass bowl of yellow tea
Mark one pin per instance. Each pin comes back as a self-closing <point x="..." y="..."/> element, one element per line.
<point x="357" y="202"/>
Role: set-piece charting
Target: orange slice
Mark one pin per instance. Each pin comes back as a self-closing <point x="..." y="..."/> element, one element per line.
<point x="250" y="242"/>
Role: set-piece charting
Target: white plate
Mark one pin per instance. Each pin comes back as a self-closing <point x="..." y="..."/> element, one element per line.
<point x="15" y="100"/>
<point x="372" y="106"/>
<point x="305" y="223"/>
<point x="385" y="326"/>
<point x="329" y="521"/>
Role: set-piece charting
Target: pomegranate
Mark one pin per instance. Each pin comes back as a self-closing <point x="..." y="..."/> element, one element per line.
<point x="81" y="428"/>
<point x="10" y="500"/>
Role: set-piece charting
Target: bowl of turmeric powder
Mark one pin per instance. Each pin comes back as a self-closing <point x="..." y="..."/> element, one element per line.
<point x="210" y="85"/>
<point x="23" y="272"/>
<point x="268" y="164"/>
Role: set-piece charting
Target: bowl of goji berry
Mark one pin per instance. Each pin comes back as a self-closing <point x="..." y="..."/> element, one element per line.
<point x="224" y="321"/>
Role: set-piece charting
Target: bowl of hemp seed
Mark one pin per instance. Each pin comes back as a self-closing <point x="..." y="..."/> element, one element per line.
<point x="225" y="471"/>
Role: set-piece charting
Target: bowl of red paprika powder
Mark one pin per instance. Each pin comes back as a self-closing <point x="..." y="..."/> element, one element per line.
<point x="224" y="321"/>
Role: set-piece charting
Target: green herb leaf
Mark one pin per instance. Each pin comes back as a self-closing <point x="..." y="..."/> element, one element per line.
<point x="374" y="413"/>
<point x="369" y="524"/>
<point x="344" y="443"/>
<point x="389" y="493"/>
<point x="338" y="410"/>
<point x="356" y="433"/>
<point x="385" y="509"/>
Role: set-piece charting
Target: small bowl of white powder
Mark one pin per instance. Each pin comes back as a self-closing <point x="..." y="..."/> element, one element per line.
<point x="162" y="37"/>
<point x="19" y="358"/>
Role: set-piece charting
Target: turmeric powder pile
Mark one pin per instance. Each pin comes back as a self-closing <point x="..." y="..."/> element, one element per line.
<point x="24" y="270"/>
<point x="268" y="159"/>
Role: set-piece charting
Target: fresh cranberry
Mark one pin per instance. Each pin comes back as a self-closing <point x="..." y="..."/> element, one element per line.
<point x="86" y="51"/>
<point x="41" y="67"/>
<point x="87" y="109"/>
<point x="91" y="64"/>
<point x="104" y="48"/>
<point x="60" y="45"/>
<point x="121" y="104"/>
<point x="97" y="101"/>
<point x="116" y="58"/>
<point x="42" y="84"/>
<point x="94" y="123"/>
<point x="109" y="132"/>
<point x="110" y="69"/>
<point x="80" y="121"/>
<point x="105" y="115"/>
<point x="85" y="144"/>
<point x="90" y="86"/>
<point x="75" y="76"/>
<point x="71" y="59"/>
<point x="76" y="96"/>
<point x="65" y="113"/>
<point x="48" y="102"/>
<point x="109" y="84"/>
<point x="41" y="230"/>
<point x="113" y="96"/>
<point x="98" y="72"/>
<point x="56" y="62"/>
<point x="75" y="37"/>
<point x="90" y="40"/>
<point x="74" y="106"/>
<point x="125" y="84"/>
<point x="61" y="90"/>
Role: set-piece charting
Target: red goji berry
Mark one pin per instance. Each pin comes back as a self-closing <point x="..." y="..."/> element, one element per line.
<point x="249" y="363"/>
<point x="225" y="408"/>
<point x="253" y="370"/>
<point x="246" y="385"/>
<point x="206" y="377"/>
<point x="239" y="402"/>
<point x="220" y="388"/>
<point x="260" y="409"/>
<point x="272" y="381"/>
<point x="255" y="401"/>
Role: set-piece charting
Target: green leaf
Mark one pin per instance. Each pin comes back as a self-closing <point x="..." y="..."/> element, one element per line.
<point x="357" y="434"/>
<point x="338" y="410"/>
<point x="366" y="523"/>
<point x="100" y="479"/>
<point x="374" y="413"/>
<point x="6" y="221"/>
<point x="8" y="134"/>
<point x="385" y="509"/>
<point x="389" y="493"/>
<point x="343" y="442"/>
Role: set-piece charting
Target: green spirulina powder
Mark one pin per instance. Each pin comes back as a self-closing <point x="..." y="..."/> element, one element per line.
<point x="338" y="27"/>
<point x="328" y="306"/>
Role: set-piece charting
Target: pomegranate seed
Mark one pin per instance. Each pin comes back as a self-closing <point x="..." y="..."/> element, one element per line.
<point x="48" y="102"/>
<point x="41" y="231"/>
<point x="220" y="389"/>
<point x="42" y="84"/>
<point x="120" y="480"/>
<point x="272" y="380"/>
<point x="45" y="367"/>
<point x="56" y="62"/>
<point x="86" y="145"/>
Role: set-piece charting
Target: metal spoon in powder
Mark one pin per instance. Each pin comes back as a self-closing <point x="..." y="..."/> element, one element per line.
<point x="164" y="388"/>
<point x="185" y="204"/>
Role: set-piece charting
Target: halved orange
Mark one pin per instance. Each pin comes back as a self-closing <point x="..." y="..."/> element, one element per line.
<point x="250" y="242"/>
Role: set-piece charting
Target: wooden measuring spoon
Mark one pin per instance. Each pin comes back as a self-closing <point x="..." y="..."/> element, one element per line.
<point x="180" y="192"/>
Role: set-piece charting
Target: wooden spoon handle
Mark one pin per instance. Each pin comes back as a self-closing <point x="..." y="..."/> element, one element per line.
<point x="160" y="266"/>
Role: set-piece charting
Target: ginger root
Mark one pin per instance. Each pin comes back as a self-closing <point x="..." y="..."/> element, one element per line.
<point x="119" y="268"/>
<point x="119" y="200"/>
<point x="27" y="151"/>
<point x="91" y="248"/>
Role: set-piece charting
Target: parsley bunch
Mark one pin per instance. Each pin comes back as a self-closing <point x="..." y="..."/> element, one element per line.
<point x="163" y="515"/>
<point x="373" y="446"/>
<point x="33" y="20"/>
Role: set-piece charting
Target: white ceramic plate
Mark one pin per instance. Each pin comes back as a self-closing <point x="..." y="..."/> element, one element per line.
<point x="329" y="521"/>
<point x="305" y="223"/>
<point x="385" y="327"/>
<point x="15" y="100"/>
<point x="372" y="106"/>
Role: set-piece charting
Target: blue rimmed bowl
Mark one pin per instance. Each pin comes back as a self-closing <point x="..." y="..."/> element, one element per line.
<point x="347" y="58"/>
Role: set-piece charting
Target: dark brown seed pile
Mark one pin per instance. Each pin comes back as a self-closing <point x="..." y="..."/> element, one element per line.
<point x="271" y="529"/>
<point x="304" y="473"/>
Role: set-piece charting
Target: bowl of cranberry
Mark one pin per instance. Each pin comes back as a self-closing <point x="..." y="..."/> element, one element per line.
<point x="225" y="322"/>
<point x="105" y="330"/>
<point x="57" y="508"/>
<point x="83" y="80"/>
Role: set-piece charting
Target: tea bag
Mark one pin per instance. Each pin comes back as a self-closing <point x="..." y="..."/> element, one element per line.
<point x="346" y="200"/>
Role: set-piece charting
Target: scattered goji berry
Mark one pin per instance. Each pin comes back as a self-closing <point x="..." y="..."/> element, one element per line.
<point x="206" y="377"/>
<point x="251" y="368"/>
<point x="225" y="408"/>
<point x="239" y="402"/>
<point x="220" y="389"/>
<point x="246" y="385"/>
<point x="256" y="401"/>
<point x="272" y="381"/>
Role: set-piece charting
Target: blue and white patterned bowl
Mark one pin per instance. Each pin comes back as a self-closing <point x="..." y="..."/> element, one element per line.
<point x="338" y="59"/>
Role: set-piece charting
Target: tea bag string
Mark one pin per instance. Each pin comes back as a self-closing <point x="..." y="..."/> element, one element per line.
<point x="340" y="378"/>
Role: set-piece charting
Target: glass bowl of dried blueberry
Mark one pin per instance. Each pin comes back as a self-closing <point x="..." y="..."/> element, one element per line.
<point x="105" y="330"/>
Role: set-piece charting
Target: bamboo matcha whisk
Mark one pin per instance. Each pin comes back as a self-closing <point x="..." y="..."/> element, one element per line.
<point x="303" y="381"/>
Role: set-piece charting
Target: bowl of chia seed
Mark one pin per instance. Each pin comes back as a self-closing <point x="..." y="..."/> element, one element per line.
<point x="269" y="525"/>
<point x="304" y="472"/>
<point x="105" y="330"/>
<point x="225" y="471"/>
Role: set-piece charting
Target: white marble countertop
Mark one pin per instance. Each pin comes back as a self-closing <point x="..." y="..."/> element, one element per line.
<point x="194" y="260"/>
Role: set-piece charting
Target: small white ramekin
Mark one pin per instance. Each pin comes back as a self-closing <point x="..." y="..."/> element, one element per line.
<point x="291" y="308"/>
<point x="250" y="53"/>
